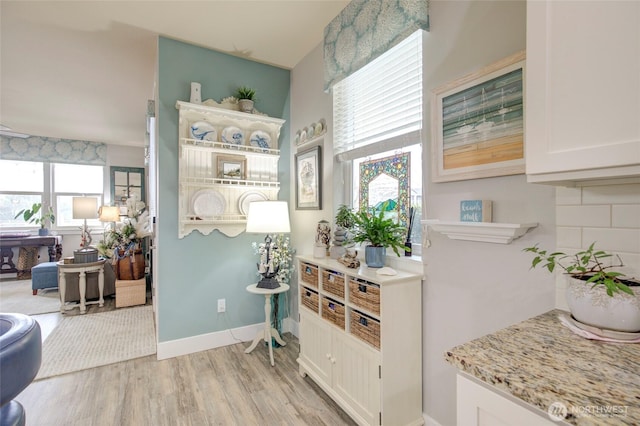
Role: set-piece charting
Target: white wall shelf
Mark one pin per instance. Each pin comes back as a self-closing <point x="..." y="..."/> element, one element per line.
<point x="499" y="233"/>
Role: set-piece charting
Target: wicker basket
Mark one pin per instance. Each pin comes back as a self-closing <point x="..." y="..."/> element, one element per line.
<point x="333" y="312"/>
<point x="309" y="274"/>
<point x="130" y="266"/>
<point x="309" y="299"/>
<point x="131" y="292"/>
<point x="365" y="328"/>
<point x="333" y="282"/>
<point x="365" y="295"/>
<point x="27" y="259"/>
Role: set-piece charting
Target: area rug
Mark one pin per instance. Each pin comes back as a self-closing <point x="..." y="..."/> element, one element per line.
<point x="17" y="296"/>
<point x="88" y="341"/>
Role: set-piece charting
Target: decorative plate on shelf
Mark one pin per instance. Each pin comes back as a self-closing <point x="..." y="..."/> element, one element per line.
<point x="233" y="135"/>
<point x="260" y="139"/>
<point x="203" y="131"/>
<point x="247" y="198"/>
<point x="208" y="203"/>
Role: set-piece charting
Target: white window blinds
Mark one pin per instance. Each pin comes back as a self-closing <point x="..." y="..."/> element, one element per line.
<point x="380" y="102"/>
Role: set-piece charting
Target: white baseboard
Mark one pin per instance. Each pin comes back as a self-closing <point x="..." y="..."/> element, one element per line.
<point x="203" y="342"/>
<point x="429" y="421"/>
<point x="291" y="326"/>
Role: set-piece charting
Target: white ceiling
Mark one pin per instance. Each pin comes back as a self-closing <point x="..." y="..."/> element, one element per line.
<point x="85" y="69"/>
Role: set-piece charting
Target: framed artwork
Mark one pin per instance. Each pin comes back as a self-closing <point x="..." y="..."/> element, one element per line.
<point x="309" y="179"/>
<point x="232" y="167"/>
<point x="478" y="123"/>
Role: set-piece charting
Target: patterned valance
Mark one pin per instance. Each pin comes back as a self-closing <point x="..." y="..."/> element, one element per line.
<point x="53" y="150"/>
<point x="365" y="29"/>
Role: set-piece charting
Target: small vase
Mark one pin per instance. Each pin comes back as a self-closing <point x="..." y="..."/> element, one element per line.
<point x="43" y="232"/>
<point x="407" y="244"/>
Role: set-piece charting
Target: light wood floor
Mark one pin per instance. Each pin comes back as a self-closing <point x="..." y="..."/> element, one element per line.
<point x="222" y="386"/>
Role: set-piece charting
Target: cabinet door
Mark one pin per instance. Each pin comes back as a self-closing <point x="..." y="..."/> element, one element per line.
<point x="356" y="375"/>
<point x="582" y="89"/>
<point x="315" y="345"/>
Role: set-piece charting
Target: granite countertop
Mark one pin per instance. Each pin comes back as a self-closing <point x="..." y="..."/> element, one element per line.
<point x="540" y="361"/>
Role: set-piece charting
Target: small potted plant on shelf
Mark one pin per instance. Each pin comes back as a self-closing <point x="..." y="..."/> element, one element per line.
<point x="344" y="222"/>
<point x="596" y="293"/>
<point x="379" y="232"/>
<point x="246" y="97"/>
<point x="30" y="216"/>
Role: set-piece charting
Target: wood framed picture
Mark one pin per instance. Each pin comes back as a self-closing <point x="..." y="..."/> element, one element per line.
<point x="232" y="167"/>
<point x="309" y="179"/>
<point x="478" y="123"/>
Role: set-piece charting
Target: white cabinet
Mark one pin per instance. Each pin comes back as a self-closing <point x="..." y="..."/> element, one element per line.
<point x="582" y="90"/>
<point x="227" y="159"/>
<point x="361" y="339"/>
<point x="478" y="405"/>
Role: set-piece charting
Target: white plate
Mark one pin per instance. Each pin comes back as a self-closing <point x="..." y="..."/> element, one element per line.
<point x="247" y="198"/>
<point x="207" y="203"/>
<point x="260" y="139"/>
<point x="233" y="135"/>
<point x="203" y="131"/>
<point x="603" y="332"/>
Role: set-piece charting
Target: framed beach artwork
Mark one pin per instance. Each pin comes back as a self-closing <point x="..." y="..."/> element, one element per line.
<point x="309" y="179"/>
<point x="231" y="167"/>
<point x="478" y="123"/>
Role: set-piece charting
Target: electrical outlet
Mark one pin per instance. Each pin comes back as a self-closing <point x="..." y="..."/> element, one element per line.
<point x="222" y="305"/>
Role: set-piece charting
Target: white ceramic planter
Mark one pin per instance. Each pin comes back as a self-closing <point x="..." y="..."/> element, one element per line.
<point x="594" y="307"/>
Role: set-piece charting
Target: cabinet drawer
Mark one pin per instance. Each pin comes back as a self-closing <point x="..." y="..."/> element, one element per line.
<point x="365" y="328"/>
<point x="365" y="295"/>
<point x="333" y="282"/>
<point x="309" y="274"/>
<point x="333" y="312"/>
<point x="309" y="299"/>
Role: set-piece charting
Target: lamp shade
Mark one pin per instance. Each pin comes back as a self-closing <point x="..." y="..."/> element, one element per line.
<point x="85" y="207"/>
<point x="268" y="217"/>
<point x="109" y="214"/>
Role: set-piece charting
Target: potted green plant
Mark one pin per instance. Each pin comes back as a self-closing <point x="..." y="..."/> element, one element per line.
<point x="344" y="221"/>
<point x="246" y="97"/>
<point x="379" y="232"/>
<point x="31" y="216"/>
<point x="596" y="293"/>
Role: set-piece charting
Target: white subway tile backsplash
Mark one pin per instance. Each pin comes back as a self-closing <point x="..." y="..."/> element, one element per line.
<point x="568" y="237"/>
<point x="611" y="194"/>
<point x="583" y="216"/>
<point x="567" y="196"/>
<point x="608" y="215"/>
<point x="625" y="216"/>
<point x="613" y="239"/>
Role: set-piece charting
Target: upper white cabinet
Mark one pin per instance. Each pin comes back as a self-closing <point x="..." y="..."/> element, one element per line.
<point x="227" y="159"/>
<point x="582" y="90"/>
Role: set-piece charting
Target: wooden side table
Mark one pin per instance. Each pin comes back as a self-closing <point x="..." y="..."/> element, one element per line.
<point x="268" y="331"/>
<point x="82" y="269"/>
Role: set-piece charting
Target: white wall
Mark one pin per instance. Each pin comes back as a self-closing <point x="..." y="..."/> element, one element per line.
<point x="471" y="288"/>
<point x="474" y="288"/>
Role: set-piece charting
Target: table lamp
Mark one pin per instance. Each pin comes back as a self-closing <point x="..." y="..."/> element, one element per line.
<point x="270" y="217"/>
<point x="85" y="208"/>
<point x="109" y="214"/>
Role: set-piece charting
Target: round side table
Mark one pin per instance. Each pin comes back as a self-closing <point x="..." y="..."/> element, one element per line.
<point x="268" y="331"/>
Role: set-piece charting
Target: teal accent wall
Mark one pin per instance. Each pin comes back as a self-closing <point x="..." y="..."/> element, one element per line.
<point x="196" y="271"/>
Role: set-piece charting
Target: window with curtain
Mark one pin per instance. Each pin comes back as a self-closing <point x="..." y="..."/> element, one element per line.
<point x="23" y="183"/>
<point x="377" y="114"/>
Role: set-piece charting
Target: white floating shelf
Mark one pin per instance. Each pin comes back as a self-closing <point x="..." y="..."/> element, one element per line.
<point x="487" y="232"/>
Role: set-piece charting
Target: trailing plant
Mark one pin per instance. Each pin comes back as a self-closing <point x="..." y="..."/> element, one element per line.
<point x="378" y="231"/>
<point x="586" y="265"/>
<point x="245" y="92"/>
<point x="30" y="215"/>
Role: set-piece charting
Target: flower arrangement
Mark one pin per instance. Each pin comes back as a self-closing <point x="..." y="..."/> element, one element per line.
<point x="127" y="236"/>
<point x="281" y="257"/>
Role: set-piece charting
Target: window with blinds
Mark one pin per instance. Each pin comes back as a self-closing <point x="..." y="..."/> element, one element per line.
<point x="380" y="103"/>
